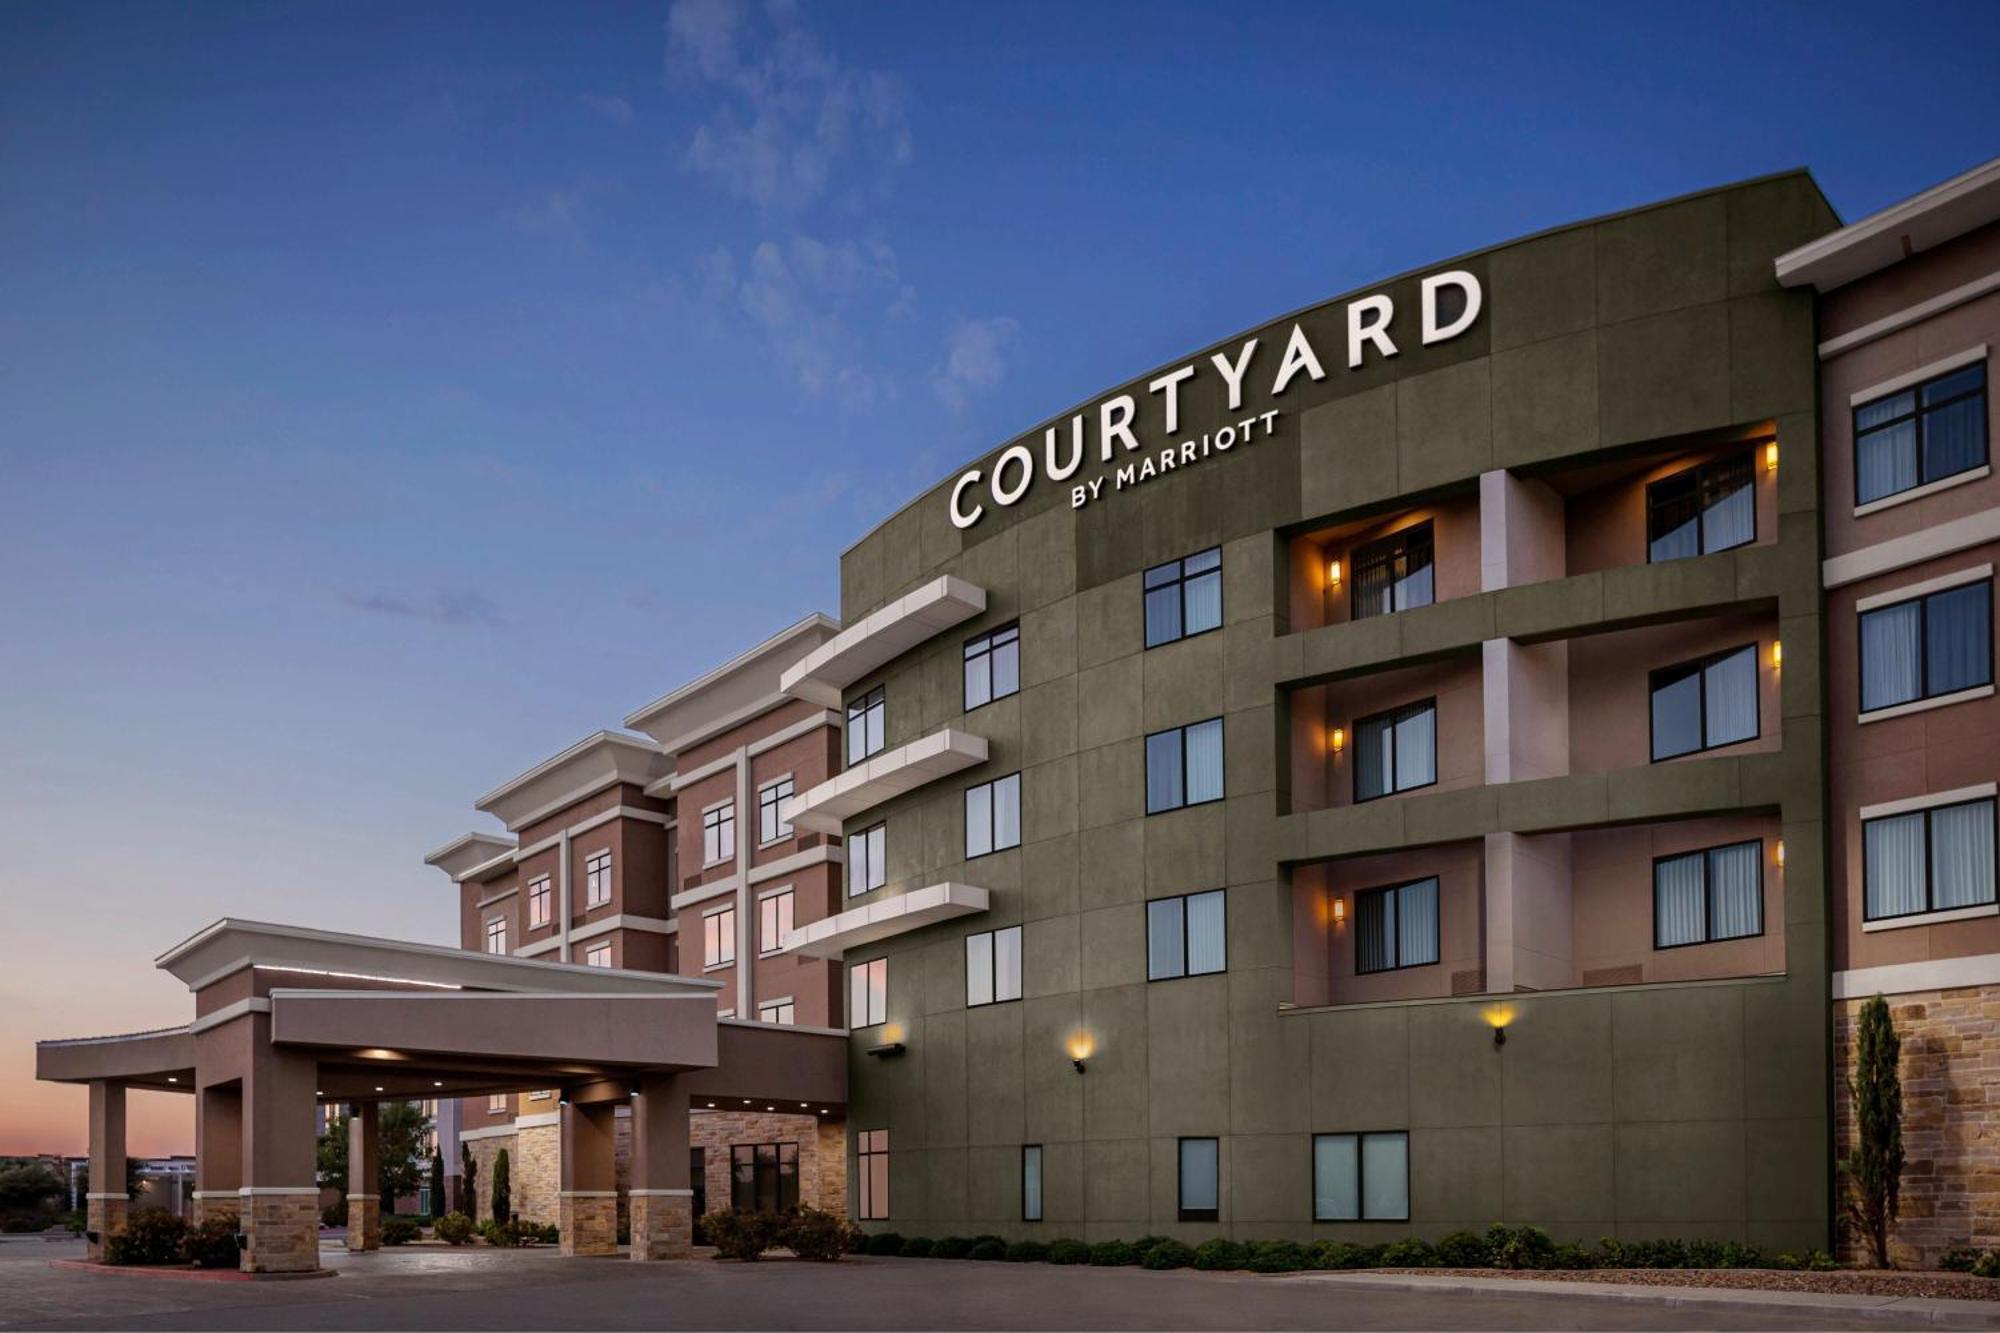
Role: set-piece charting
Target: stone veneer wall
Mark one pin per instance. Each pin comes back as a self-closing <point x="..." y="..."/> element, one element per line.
<point x="536" y="1168"/>
<point x="484" y="1151"/>
<point x="822" y="1152"/>
<point x="1951" y="1119"/>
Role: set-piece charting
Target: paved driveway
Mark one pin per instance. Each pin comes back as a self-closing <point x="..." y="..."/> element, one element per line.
<point x="493" y="1289"/>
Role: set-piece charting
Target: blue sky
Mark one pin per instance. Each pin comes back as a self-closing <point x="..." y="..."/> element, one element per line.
<point x="391" y="394"/>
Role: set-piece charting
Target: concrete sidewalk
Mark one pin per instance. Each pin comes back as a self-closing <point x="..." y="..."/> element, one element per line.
<point x="1894" y="1311"/>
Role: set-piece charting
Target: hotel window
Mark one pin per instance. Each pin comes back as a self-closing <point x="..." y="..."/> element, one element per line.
<point x="496" y="934"/>
<point x="992" y="666"/>
<point x="1184" y="597"/>
<point x="774" y="921"/>
<point x="1394" y="574"/>
<point x="1934" y="430"/>
<point x="1186" y="936"/>
<point x="1396" y="927"/>
<point x="725" y="1013"/>
<point x="1703" y="509"/>
<point x="1395" y="751"/>
<point x="764" y="1177"/>
<point x="993" y="816"/>
<point x="1031" y="1182"/>
<point x="1184" y="766"/>
<point x="718" y="833"/>
<point x="1934" y="860"/>
<point x="771" y="800"/>
<point x="1927" y="646"/>
<point x="718" y="938"/>
<point x="993" y="966"/>
<point x="1361" y="1177"/>
<point x="540" y="901"/>
<point x="1700" y="897"/>
<point x="868" y="993"/>
<point x="867" y="860"/>
<point x="864" y="725"/>
<point x="597" y="880"/>
<point x="1201" y="1187"/>
<point x="1706" y="703"/>
<point x="598" y="955"/>
<point x="780" y="1012"/>
<point x="871" y="1150"/>
<point x="497" y="1104"/>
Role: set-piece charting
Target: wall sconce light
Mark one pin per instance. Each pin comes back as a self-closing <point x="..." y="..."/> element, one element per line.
<point x="1339" y="739"/>
<point x="1339" y="910"/>
<point x="1497" y="1017"/>
<point x="888" y="1050"/>
<point x="1333" y="574"/>
<point x="1777" y="654"/>
<point x="1781" y="853"/>
<point x="1080" y="1046"/>
<point x="1771" y="456"/>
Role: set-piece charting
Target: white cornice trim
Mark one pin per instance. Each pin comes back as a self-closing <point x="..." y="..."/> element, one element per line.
<point x="485" y="868"/>
<point x="654" y="925"/>
<point x="681" y="781"/>
<point x="816" y="621"/>
<point x="1922" y="222"/>
<point x="1904" y="318"/>
<point x="1901" y="552"/>
<point x="826" y="852"/>
<point x="503" y="895"/>
<point x="749" y="712"/>
<point x="702" y="893"/>
<point x="598" y="820"/>
<point x="805" y="726"/>
<point x="1905" y="978"/>
<point x="229" y="1013"/>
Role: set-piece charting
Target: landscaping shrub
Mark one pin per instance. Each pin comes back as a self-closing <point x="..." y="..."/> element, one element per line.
<point x="334" y="1214"/>
<point x="1959" y="1261"/>
<point x="212" y="1244"/>
<point x="1519" y="1247"/>
<point x="454" y="1228"/>
<point x="820" y="1236"/>
<point x="1114" y="1254"/>
<point x="1812" y="1261"/>
<point x="744" y="1236"/>
<point x="1408" y="1254"/>
<point x="1462" y="1249"/>
<point x="1220" y="1255"/>
<point x="885" y="1242"/>
<point x="951" y="1247"/>
<point x="1571" y="1256"/>
<point x="989" y="1249"/>
<point x="1169" y="1254"/>
<point x="1278" y="1256"/>
<point x="917" y="1247"/>
<point x="1064" y="1250"/>
<point x="400" y="1231"/>
<point x="1343" y="1254"/>
<point x="1145" y="1244"/>
<point x="151" y="1236"/>
<point x="1027" y="1252"/>
<point x="1988" y="1264"/>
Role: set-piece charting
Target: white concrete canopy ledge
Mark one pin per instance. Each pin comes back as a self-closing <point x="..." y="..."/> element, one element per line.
<point x="821" y="675"/>
<point x="889" y="774"/>
<point x="830" y="937"/>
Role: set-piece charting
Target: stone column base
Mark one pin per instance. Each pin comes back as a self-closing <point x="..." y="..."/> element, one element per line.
<point x="662" y="1224"/>
<point x="283" y="1231"/>
<point x="588" y="1221"/>
<point x="104" y="1217"/>
<point x="210" y="1205"/>
<point x="364" y="1222"/>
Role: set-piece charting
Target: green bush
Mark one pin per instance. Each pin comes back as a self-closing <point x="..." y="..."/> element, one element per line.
<point x="951" y="1247"/>
<point x="1959" y="1261"/>
<point x="987" y="1250"/>
<point x="1988" y="1264"/>
<point x="212" y="1244"/>
<point x="820" y="1236"/>
<point x="1519" y="1247"/>
<point x="503" y="1188"/>
<point x="884" y="1242"/>
<point x="334" y="1214"/>
<point x="1462" y="1249"/>
<point x="516" y="1232"/>
<point x="1571" y="1256"/>
<point x="1114" y="1254"/>
<point x="1812" y="1261"/>
<point x="744" y="1236"/>
<point x="1144" y="1245"/>
<point x="454" y="1228"/>
<point x="1410" y="1253"/>
<point x="400" y="1231"/>
<point x="1027" y="1252"/>
<point x="1343" y="1254"/>
<point x="1064" y="1250"/>
<point x="1220" y="1255"/>
<point x="1279" y="1256"/>
<point x="151" y="1236"/>
<point x="917" y="1247"/>
<point x="1169" y="1254"/>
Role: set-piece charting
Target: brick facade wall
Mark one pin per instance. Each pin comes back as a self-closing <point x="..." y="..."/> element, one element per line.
<point x="1951" y="1119"/>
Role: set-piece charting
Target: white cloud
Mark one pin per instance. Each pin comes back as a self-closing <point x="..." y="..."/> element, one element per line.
<point x="614" y="109"/>
<point x="975" y="359"/>
<point x="803" y="296"/>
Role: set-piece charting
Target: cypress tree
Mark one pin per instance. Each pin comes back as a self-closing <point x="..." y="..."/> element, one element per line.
<point x="503" y="1200"/>
<point x="1874" y="1166"/>
<point x="468" y="1178"/>
<point x="437" y="1183"/>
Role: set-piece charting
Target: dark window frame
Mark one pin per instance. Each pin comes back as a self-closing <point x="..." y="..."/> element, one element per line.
<point x="1179" y="582"/>
<point x="1708" y="935"/>
<point x="1923" y="600"/>
<point x="771" y="803"/>
<point x="1699" y="667"/>
<point x="757" y="1170"/>
<point x="992" y="821"/>
<point x="864" y="1019"/>
<point x="1919" y="410"/>
<point x="1398" y="966"/>
<point x="1182" y="731"/>
<point x="1041" y="1181"/>
<point x="985" y="646"/>
<point x="720" y="820"/>
<point x="1930" y="879"/>
<point x="1395" y="715"/>
<point x="1188" y="1214"/>
<point x="993" y="966"/>
<point x="1360" y="1172"/>
<point x="1385" y="549"/>
<point x="1701" y="473"/>
<point x="847" y="845"/>
<point x="1182" y="899"/>
<point x="874" y="700"/>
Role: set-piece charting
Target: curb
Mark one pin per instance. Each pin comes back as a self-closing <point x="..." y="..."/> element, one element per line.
<point x="1894" y="1311"/>
<point x="187" y="1274"/>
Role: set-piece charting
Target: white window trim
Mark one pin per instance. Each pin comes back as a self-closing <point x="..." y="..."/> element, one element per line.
<point x="1929" y="802"/>
<point x="1929" y="488"/>
<point x="762" y="894"/>
<point x="1932" y="918"/>
<point x="1941" y="366"/>
<point x="717" y="910"/>
<point x="1925" y="705"/>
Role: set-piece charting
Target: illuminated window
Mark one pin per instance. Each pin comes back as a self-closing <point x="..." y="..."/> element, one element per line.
<point x="868" y="993"/>
<point x="774" y="921"/>
<point x="497" y="1104"/>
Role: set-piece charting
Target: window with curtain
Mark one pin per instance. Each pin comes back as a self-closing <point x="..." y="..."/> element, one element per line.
<point x="993" y="967"/>
<point x="867" y="860"/>
<point x="1934" y="860"/>
<point x="1934" y="430"/>
<point x="1713" y="894"/>
<point x="1396" y="927"/>
<point x="1706" y="703"/>
<point x="1031" y="1182"/>
<point x="1186" y="936"/>
<point x="992" y="666"/>
<point x="1361" y="1177"/>
<point x="1703" y="509"/>
<point x="1184" y="597"/>
<point x="1394" y="573"/>
<point x="1395" y="751"/>
<point x="993" y="816"/>
<point x="871" y="1174"/>
<point x="1184" y="766"/>
<point x="1201" y="1180"/>
<point x="771" y="798"/>
<point x="864" y="725"/>
<point x="1927" y="646"/>
<point x="868" y="993"/>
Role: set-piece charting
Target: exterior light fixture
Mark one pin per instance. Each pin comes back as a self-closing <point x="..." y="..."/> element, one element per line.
<point x="1771" y="456"/>
<point x="1333" y="574"/>
<point x="1781" y="853"/>
<point x="1339" y="910"/>
<point x="1777" y="654"/>
<point x="1339" y="739"/>
<point x="1497" y="1017"/>
<point x="888" y="1050"/>
<point x="1081" y="1046"/>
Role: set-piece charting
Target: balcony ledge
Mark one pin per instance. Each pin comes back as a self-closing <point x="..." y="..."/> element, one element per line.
<point x="822" y="675"/>
<point x="832" y="936"/>
<point x="891" y="773"/>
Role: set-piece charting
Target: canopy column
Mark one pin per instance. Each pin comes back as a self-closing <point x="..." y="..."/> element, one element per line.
<point x="106" y="1205"/>
<point x="280" y="1196"/>
<point x="588" y="1202"/>
<point x="364" y="1152"/>
<point x="662" y="1193"/>
<point x="218" y="1151"/>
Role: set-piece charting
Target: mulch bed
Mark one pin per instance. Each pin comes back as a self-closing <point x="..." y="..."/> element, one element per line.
<point x="1842" y="1282"/>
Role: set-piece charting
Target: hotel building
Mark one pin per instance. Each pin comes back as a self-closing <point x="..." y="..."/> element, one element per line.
<point x="1457" y="753"/>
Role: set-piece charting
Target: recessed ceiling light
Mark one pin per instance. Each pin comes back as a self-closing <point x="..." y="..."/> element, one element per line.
<point x="378" y="1089"/>
<point x="172" y="1079"/>
<point x="437" y="1083"/>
